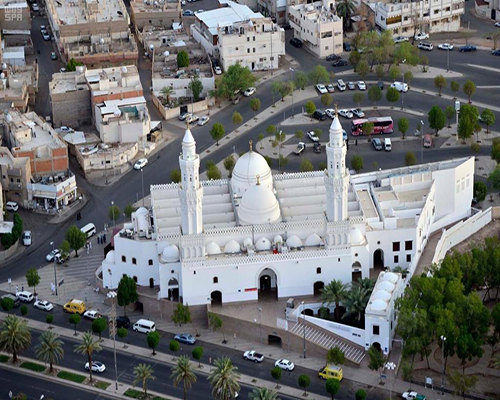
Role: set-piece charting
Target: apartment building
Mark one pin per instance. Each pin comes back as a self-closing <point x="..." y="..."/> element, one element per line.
<point x="19" y="85"/>
<point x="275" y="9"/>
<point x="94" y="32"/>
<point x="15" y="174"/>
<point x="409" y="17"/>
<point x="156" y="13"/>
<point x="318" y="27"/>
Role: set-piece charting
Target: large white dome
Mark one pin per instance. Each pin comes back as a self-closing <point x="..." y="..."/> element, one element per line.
<point x="379" y="305"/>
<point x="212" y="248"/>
<point x="381" y="295"/>
<point x="293" y="241"/>
<point x="259" y="206"/>
<point x="170" y="254"/>
<point x="245" y="172"/>
<point x="390" y="277"/>
<point x="110" y="257"/>
<point x="232" y="247"/>
<point x="263" y="243"/>
<point x="313" y="240"/>
<point x="387" y="286"/>
<point x="357" y="238"/>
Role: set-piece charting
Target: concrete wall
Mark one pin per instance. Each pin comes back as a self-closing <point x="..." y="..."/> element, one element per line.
<point x="169" y="113"/>
<point x="71" y="109"/>
<point x="56" y="162"/>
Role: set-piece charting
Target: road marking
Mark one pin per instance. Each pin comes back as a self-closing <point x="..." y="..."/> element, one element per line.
<point x="484" y="67"/>
<point x="488" y="87"/>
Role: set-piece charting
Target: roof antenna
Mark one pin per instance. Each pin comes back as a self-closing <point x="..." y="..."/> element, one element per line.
<point x="258" y="178"/>
<point x="250" y="143"/>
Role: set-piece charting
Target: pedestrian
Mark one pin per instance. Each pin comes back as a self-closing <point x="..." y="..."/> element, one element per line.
<point x="90" y="245"/>
<point x="17" y="289"/>
<point x="99" y="239"/>
<point x="104" y="238"/>
<point x="356" y="142"/>
<point x="22" y="288"/>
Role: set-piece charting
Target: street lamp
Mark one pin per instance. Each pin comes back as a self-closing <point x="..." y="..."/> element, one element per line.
<point x="260" y="324"/>
<point x="112" y="330"/>
<point x="142" y="180"/>
<point x="403" y="92"/>
<point x="113" y="211"/>
<point x="291" y="79"/>
<point x="54" y="261"/>
<point x="391" y="367"/>
<point x="304" y="325"/>
<point x="443" y="340"/>
<point x="422" y="144"/>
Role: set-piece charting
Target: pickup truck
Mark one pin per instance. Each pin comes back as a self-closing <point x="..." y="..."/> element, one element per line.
<point x="252" y="355"/>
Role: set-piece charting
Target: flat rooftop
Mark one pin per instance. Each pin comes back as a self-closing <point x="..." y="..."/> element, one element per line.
<point x="225" y="16"/>
<point x="63" y="82"/>
<point x="13" y="4"/>
<point x="153" y="6"/>
<point x="42" y="135"/>
<point x="73" y="12"/>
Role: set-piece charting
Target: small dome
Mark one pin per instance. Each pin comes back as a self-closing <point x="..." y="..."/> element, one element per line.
<point x="188" y="137"/>
<point x="293" y="241"/>
<point x="381" y="295"/>
<point x="263" y="243"/>
<point x="232" y="247"/>
<point x="212" y="248"/>
<point x="278" y="239"/>
<point x="313" y="240"/>
<point x="244" y="174"/>
<point x="387" y="286"/>
<point x="357" y="238"/>
<point x="110" y="257"/>
<point x="170" y="254"/>
<point x="247" y="242"/>
<point x="2" y="75"/>
<point x="259" y="206"/>
<point x="390" y="277"/>
<point x="79" y="69"/>
<point x="141" y="211"/>
<point x="379" y="305"/>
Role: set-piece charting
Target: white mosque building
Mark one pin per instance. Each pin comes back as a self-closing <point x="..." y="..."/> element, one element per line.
<point x="286" y="235"/>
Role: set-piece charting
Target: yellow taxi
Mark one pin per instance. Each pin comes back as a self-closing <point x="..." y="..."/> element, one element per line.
<point x="331" y="372"/>
<point x="75" y="307"/>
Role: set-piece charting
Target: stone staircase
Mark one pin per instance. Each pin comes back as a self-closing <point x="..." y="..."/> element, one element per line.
<point x="327" y="340"/>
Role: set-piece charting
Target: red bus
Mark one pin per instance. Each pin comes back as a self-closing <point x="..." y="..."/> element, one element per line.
<point x="380" y="125"/>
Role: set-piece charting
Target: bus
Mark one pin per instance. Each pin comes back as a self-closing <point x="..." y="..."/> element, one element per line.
<point x="380" y="125"/>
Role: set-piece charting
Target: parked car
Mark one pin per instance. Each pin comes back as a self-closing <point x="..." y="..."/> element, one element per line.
<point x="185" y="338"/>
<point x="413" y="396"/>
<point x="43" y="305"/>
<point x="61" y="258"/>
<point x="427" y="140"/>
<point x="311" y="135"/>
<point x="330" y="113"/>
<point x="53" y="55"/>
<point x="141" y="163"/>
<point x="217" y="70"/>
<point x="358" y="113"/>
<point x="351" y="85"/>
<point x="497" y="24"/>
<point x="35" y="7"/>
<point x="445" y="46"/>
<point x="361" y="85"/>
<point x="204" y="120"/>
<point x="319" y="115"/>
<point x="332" y="57"/>
<point x="92" y="314"/>
<point x="296" y="42"/>
<point x="46" y="36"/>
<point x="321" y="88"/>
<point x="301" y="146"/>
<point x="467" y="48"/>
<point x="11" y="206"/>
<point x="51" y="255"/>
<point x="27" y="238"/>
<point x="317" y="147"/>
<point x="421" y="36"/>
<point x="400" y="86"/>
<point x="400" y="39"/>
<point x="330" y="88"/>
<point x="187" y="13"/>
<point x="287" y="365"/>
<point x="341" y="85"/>
<point x="25" y="297"/>
<point x="183" y="116"/>
<point x="62" y="69"/>
<point x="97" y="366"/>
<point x="249" y="92"/>
<point x="74" y="306"/>
<point x="377" y="144"/>
<point x="345" y="113"/>
<point x="380" y="84"/>
<point x="331" y="372"/>
<point x="425" y="46"/>
<point x="340" y="63"/>
<point x="347" y="46"/>
<point x="43" y="28"/>
<point x="15" y="299"/>
<point x="252" y="355"/>
<point x="122" y="321"/>
<point x="192" y="118"/>
<point x="495" y="52"/>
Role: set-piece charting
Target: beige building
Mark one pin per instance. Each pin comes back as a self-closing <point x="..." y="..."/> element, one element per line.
<point x="15" y="174"/>
<point x="156" y="13"/>
<point x="318" y="27"/>
<point x="91" y="31"/>
<point x="19" y="85"/>
<point x="15" y="15"/>
<point x="275" y="9"/>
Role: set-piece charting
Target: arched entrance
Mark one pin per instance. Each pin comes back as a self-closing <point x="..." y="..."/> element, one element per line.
<point x="377" y="346"/>
<point x="151" y="283"/>
<point x="308" y="312"/>
<point x="268" y="285"/>
<point x="318" y="287"/>
<point x="173" y="289"/>
<point x="216" y="298"/>
<point x="356" y="272"/>
<point x="274" y="340"/>
<point x="378" y="259"/>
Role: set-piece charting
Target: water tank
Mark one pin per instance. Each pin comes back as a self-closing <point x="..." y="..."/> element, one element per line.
<point x="124" y="70"/>
<point x="151" y="47"/>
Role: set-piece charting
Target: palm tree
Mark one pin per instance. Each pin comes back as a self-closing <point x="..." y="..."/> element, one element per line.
<point x="224" y="379"/>
<point x="355" y="303"/>
<point x="49" y="349"/>
<point x="262" y="394"/>
<point x="367" y="284"/>
<point x="15" y="336"/>
<point x="87" y="347"/>
<point x="334" y="292"/>
<point x="401" y="270"/>
<point x="346" y="9"/>
<point x="142" y="373"/>
<point x="166" y="92"/>
<point x="183" y="372"/>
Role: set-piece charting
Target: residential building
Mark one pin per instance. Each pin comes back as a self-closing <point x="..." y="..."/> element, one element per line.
<point x="493" y="8"/>
<point x="275" y="9"/>
<point x="156" y="13"/>
<point x="19" y="85"/>
<point x="406" y="18"/>
<point x="15" y="176"/>
<point x="257" y="44"/>
<point x="92" y="32"/>
<point x="318" y="27"/>
<point x="15" y="15"/>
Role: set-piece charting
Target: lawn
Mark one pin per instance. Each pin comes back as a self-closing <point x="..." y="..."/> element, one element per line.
<point x="102" y="385"/>
<point x="71" y="377"/>
<point x="33" y="366"/>
<point x="137" y="394"/>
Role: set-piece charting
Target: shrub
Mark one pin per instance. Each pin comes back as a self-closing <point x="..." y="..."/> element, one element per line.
<point x="480" y="191"/>
<point x="49" y="318"/>
<point x="7" y="304"/>
<point x="24" y="310"/>
<point x="360" y="394"/>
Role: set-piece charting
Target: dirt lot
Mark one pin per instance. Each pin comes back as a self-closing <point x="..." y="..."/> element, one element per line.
<point x="492" y="229"/>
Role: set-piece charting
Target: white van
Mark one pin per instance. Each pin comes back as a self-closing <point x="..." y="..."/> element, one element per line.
<point x="26" y="297"/>
<point x="425" y="46"/>
<point x="11" y="206"/>
<point x="144" y="326"/>
<point x="89" y="229"/>
<point x="387" y="144"/>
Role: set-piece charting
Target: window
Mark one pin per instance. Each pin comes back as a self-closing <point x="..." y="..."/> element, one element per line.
<point x="254" y="49"/>
<point x="216" y="280"/>
<point x="376" y="330"/>
<point x="409" y="245"/>
<point x="248" y="39"/>
<point x="134" y="261"/>
<point x="396" y="259"/>
<point x="254" y="38"/>
<point x="124" y="259"/>
<point x="150" y="262"/>
<point x="408" y="258"/>
<point x="248" y="50"/>
<point x="135" y="279"/>
<point x="395" y="246"/>
<point x="318" y="270"/>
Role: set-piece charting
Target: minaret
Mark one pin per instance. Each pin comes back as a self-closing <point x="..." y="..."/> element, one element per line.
<point x="337" y="175"/>
<point x="190" y="190"/>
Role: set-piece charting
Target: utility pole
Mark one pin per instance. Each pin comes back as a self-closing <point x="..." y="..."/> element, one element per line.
<point x="391" y="367"/>
<point x="112" y="330"/>
<point x="142" y="180"/>
<point x="422" y="144"/>
<point x="54" y="261"/>
<point x="443" y="341"/>
<point x="304" y="326"/>
<point x="291" y="77"/>
<point x="403" y="92"/>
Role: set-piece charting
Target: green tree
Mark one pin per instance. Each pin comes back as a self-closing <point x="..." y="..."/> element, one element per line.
<point x="437" y="119"/>
<point x="224" y="379"/>
<point x="408" y="77"/>
<point x="49" y="318"/>
<point x="367" y="128"/>
<point x="410" y="159"/>
<point x="122" y="333"/>
<point x="392" y="95"/>
<point x="24" y="310"/>
<point x="215" y="323"/>
<point x="306" y="165"/>
<point x="262" y="394"/>
<point x="377" y="359"/>
<point x="236" y="78"/>
<point x="65" y="248"/>
<point x="332" y="387"/>
<point x="480" y="191"/>
<point x="354" y="58"/>
<point x="114" y="213"/>
<point x="237" y="118"/>
<point x="276" y="374"/>
<point x="49" y="349"/>
<point x="310" y="107"/>
<point x="76" y="238"/>
<point x="166" y="92"/>
<point x="326" y="99"/>
<point x="198" y="354"/>
<point x="357" y="163"/>
<point x="174" y="346"/>
<point x="7" y="304"/>
<point x="88" y="347"/>
<point x="32" y="278"/>
<point x="362" y="68"/>
<point x="304" y="382"/>
<point x="271" y="130"/>
<point x="153" y="339"/>
<point x="346" y="9"/>
<point x="260" y="138"/>
<point x="405" y="51"/>
<point x="182" y="59"/>
<point x="462" y="383"/>
<point x="394" y="72"/>
<point x="213" y="173"/>
<point x="488" y="118"/>
<point x="355" y="302"/>
<point x="229" y="164"/>
<point x="360" y="394"/>
<point x="183" y="373"/>
<point x="75" y="320"/>
<point x="374" y="94"/>
<point x="475" y="147"/>
<point x="142" y="374"/>
<point x="196" y="87"/>
<point x="99" y="325"/>
<point x="334" y="292"/>
<point x="255" y="105"/>
<point x="469" y="89"/>
<point x="358" y="98"/>
<point x="72" y="64"/>
<point x="128" y="210"/>
<point x="7" y="240"/>
<point x="127" y="292"/>
<point x="467" y="121"/>
<point x="403" y="125"/>
<point x="335" y="356"/>
<point x="449" y="112"/>
<point x="440" y="83"/>
<point x="217" y="132"/>
<point x="15" y="336"/>
<point x="175" y="175"/>
<point x="455" y="87"/>
<point x="182" y="315"/>
<point x="282" y="161"/>
<point x="319" y="74"/>
<point x="494" y="178"/>
<point x="299" y="134"/>
<point x="301" y="80"/>
<point x="379" y="71"/>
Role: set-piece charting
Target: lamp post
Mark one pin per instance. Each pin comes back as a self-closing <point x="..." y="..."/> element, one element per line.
<point x="422" y="144"/>
<point x="443" y="341"/>
<point x="260" y="323"/>
<point x="448" y="51"/>
<point x="391" y="367"/>
<point x="142" y="180"/>
<point x="112" y="330"/>
<point x="113" y="211"/>
<point x="291" y="78"/>
<point x="287" y="332"/>
<point x="304" y="325"/>
<point x="54" y="261"/>
<point x="403" y="92"/>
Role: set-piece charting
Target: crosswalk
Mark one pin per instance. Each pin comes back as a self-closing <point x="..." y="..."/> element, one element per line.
<point x="328" y="340"/>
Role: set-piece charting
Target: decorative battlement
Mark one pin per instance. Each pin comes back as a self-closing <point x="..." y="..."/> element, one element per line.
<point x="357" y="219"/>
<point x="229" y="230"/>
<point x="298" y="175"/>
<point x="164" y="186"/>
<point x="169" y="234"/>
<point x="215" y="182"/>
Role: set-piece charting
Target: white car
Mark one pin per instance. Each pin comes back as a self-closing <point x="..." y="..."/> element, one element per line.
<point x="497" y="24"/>
<point x="400" y="86"/>
<point x="249" y="92"/>
<point x="445" y="46"/>
<point x="321" y="88"/>
<point x="92" y="314"/>
<point x="35" y="7"/>
<point x="97" y="366"/>
<point x="361" y="85"/>
<point x="400" y="39"/>
<point x="287" y="365"/>
<point x="43" y="305"/>
<point x="341" y="85"/>
<point x="183" y="3"/>
<point x="62" y="70"/>
<point x="141" y="163"/>
<point x="413" y="396"/>
<point x="330" y="113"/>
<point x="27" y="238"/>
<point x="217" y="70"/>
<point x="358" y="112"/>
<point x="183" y="116"/>
<point x="421" y="36"/>
<point x="203" y="120"/>
<point x="43" y="28"/>
<point x="345" y="113"/>
<point x="312" y="136"/>
<point x="301" y="146"/>
<point x="51" y="255"/>
<point x="65" y="129"/>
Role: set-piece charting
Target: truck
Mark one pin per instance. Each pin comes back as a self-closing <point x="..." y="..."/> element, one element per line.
<point x="252" y="355"/>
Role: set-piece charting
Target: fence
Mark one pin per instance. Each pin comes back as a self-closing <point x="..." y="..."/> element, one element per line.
<point x="169" y="113"/>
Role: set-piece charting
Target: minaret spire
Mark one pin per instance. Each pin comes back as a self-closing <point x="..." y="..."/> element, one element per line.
<point x="250" y="142"/>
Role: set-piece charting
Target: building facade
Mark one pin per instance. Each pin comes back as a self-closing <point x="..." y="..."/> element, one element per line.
<point x="159" y="14"/>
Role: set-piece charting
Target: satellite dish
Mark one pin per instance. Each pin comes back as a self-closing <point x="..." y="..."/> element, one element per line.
<point x="117" y="113"/>
<point x="2" y="76"/>
<point x="151" y="47"/>
<point x="166" y="53"/>
<point x="124" y="70"/>
<point x="101" y="40"/>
